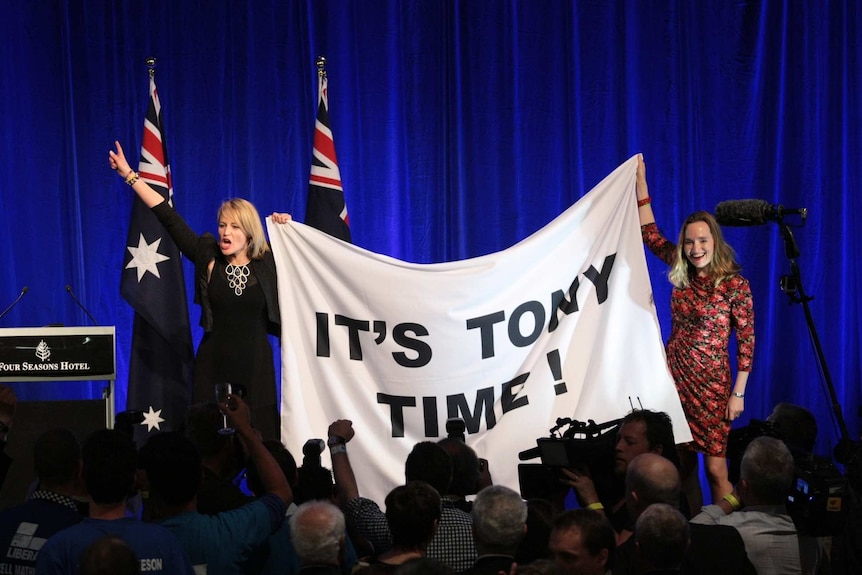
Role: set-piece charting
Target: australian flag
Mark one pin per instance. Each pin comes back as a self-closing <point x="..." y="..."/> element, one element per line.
<point x="160" y="364"/>
<point x="326" y="209"/>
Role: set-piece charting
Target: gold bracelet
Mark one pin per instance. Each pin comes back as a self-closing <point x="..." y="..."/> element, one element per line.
<point x="595" y="506"/>
<point x="131" y="180"/>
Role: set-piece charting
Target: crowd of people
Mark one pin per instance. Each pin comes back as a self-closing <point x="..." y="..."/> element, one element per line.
<point x="198" y="501"/>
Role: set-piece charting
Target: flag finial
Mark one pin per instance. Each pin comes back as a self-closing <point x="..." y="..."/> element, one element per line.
<point x="320" y="62"/>
<point x="151" y="66"/>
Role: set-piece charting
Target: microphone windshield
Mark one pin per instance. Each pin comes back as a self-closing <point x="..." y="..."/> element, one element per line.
<point x="742" y="212"/>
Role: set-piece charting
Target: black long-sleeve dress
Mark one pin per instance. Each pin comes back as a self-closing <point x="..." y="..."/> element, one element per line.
<point x="235" y="347"/>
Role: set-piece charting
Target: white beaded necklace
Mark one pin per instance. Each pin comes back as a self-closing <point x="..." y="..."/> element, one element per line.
<point x="237" y="277"/>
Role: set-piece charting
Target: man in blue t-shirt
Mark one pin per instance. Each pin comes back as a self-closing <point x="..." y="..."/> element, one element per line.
<point x="221" y="543"/>
<point x="109" y="469"/>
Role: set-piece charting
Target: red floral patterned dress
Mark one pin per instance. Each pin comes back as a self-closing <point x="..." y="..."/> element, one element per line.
<point x="702" y="317"/>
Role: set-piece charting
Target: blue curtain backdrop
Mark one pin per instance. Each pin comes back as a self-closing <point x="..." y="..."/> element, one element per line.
<point x="461" y="127"/>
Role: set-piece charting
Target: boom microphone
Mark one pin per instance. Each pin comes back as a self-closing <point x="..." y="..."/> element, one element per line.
<point x="753" y="212"/>
<point x="77" y="301"/>
<point x="24" y="290"/>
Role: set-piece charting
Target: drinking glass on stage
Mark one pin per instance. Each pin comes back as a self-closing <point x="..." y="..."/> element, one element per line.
<point x="223" y="392"/>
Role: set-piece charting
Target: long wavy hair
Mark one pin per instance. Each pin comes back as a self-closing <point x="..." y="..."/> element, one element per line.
<point x="244" y="212"/>
<point x="723" y="265"/>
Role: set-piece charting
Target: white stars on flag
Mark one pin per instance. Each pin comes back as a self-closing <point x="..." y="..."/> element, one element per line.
<point x="146" y="257"/>
<point x="152" y="419"/>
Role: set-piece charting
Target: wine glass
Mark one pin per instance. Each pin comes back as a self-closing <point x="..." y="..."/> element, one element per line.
<point x="223" y="392"/>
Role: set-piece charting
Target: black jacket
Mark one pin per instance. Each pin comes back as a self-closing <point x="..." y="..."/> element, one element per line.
<point x="202" y="250"/>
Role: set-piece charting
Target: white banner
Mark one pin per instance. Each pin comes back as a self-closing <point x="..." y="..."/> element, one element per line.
<point x="560" y="325"/>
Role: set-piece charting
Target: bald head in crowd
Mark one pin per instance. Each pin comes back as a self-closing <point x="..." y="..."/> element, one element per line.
<point x="651" y="478"/>
<point x="317" y="531"/>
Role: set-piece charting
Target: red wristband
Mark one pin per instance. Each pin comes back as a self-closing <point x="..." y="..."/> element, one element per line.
<point x="643" y="202"/>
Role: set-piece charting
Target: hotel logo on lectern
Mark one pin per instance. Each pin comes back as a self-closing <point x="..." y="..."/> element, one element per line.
<point x="43" y="354"/>
<point x="57" y="352"/>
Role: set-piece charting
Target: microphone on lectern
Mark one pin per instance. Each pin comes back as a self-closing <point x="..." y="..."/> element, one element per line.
<point x="77" y="301"/>
<point x="24" y="290"/>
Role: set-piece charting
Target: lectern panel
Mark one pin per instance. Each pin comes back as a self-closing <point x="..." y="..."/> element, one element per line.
<point x="32" y="418"/>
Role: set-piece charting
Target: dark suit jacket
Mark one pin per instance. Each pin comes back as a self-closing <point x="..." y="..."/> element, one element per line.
<point x="714" y="550"/>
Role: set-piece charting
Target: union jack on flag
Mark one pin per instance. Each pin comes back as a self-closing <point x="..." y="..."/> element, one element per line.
<point x="326" y="209"/>
<point x="154" y="167"/>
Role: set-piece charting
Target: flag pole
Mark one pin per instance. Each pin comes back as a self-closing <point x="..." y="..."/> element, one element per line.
<point x="320" y="62"/>
<point x="151" y="66"/>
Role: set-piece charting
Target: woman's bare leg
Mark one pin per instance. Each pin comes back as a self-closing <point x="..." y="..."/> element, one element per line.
<point x="690" y="479"/>
<point x="716" y="475"/>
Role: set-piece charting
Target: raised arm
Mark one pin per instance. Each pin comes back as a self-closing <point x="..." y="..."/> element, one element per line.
<point x="340" y="433"/>
<point x="364" y="517"/>
<point x="118" y="162"/>
<point x="271" y="476"/>
<point x="644" y="206"/>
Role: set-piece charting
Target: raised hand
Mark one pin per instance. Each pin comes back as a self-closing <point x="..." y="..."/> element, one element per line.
<point x="118" y="162"/>
<point x="280" y="218"/>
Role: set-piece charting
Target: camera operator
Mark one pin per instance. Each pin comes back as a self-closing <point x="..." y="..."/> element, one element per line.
<point x="756" y="508"/>
<point x="817" y="500"/>
<point x="642" y="431"/>
<point x="796" y="426"/>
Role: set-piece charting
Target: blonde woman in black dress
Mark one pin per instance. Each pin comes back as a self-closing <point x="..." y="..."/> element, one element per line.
<point x="235" y="286"/>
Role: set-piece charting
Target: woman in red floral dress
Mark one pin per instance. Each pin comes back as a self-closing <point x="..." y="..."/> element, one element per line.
<point x="709" y="300"/>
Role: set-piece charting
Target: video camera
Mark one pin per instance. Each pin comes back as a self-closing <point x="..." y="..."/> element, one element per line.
<point x="818" y="498"/>
<point x="313" y="480"/>
<point x="456" y="428"/>
<point x="572" y="444"/>
<point x="311" y="452"/>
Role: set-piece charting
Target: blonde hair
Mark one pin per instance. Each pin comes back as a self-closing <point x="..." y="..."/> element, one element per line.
<point x="245" y="214"/>
<point x="723" y="264"/>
